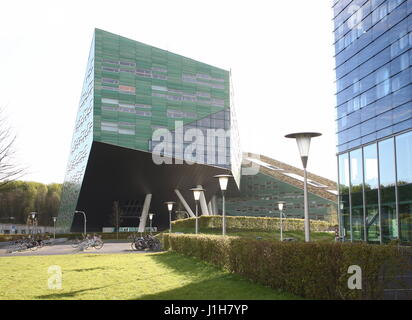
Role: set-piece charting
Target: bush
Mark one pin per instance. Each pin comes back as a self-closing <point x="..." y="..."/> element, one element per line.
<point x="310" y="270"/>
<point x="252" y="223"/>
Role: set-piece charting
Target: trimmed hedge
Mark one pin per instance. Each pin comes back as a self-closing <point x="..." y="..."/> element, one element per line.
<point x="310" y="270"/>
<point x="252" y="223"/>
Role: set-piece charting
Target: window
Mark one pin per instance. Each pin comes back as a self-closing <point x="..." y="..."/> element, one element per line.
<point x="389" y="221"/>
<point x="109" y="126"/>
<point x="143" y="106"/>
<point x="404" y="170"/>
<point x="110" y="69"/>
<point x="110" y="101"/>
<point x="127" y="89"/>
<point x="383" y="89"/>
<point x="111" y="81"/>
<point x="159" y="88"/>
<point x="144" y="113"/>
<point x="126" y="131"/>
<point x="125" y="63"/>
<point x="356" y="175"/>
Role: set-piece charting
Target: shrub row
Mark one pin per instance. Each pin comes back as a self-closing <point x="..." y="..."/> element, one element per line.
<point x="310" y="270"/>
<point x="252" y="223"/>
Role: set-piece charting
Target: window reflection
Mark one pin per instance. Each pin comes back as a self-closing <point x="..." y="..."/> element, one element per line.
<point x="370" y="162"/>
<point x="344" y="194"/>
<point x="389" y="220"/>
<point x="356" y="174"/>
<point x="404" y="170"/>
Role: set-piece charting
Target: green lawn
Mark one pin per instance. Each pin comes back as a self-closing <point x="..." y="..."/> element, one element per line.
<point x="126" y="276"/>
<point x="274" y="235"/>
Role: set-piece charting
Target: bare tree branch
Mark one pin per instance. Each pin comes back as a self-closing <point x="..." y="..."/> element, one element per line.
<point x="10" y="170"/>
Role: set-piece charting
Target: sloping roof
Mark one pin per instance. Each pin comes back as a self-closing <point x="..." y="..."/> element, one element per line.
<point x="317" y="185"/>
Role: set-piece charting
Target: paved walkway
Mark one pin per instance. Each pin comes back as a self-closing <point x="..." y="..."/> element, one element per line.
<point x="65" y="248"/>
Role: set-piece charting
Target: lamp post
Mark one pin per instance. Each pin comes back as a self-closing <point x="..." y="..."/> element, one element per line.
<point x="151" y="218"/>
<point x="281" y="205"/>
<point x="303" y="140"/>
<point x="32" y="215"/>
<point x="54" y="227"/>
<point x="170" y="205"/>
<point x="196" y="194"/>
<point x="340" y="220"/>
<point x="85" y="221"/>
<point x="223" y="181"/>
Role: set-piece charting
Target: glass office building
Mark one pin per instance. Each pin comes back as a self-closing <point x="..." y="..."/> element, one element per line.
<point x="373" y="44"/>
<point x="136" y="97"/>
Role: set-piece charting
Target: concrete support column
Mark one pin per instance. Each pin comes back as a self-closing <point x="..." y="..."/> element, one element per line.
<point x="215" y="210"/>
<point x="209" y="207"/>
<point x="145" y="212"/>
<point x="203" y="204"/>
<point x="184" y="203"/>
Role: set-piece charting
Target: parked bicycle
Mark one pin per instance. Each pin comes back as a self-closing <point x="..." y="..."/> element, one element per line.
<point x="146" y="242"/>
<point x="94" y="241"/>
<point x="76" y="241"/>
<point x="23" y="244"/>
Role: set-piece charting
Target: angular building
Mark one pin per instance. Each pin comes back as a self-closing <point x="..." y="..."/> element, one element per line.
<point x="272" y="181"/>
<point x="373" y="42"/>
<point x="151" y="124"/>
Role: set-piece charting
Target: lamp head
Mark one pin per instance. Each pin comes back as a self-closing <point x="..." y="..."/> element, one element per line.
<point x="54" y="219"/>
<point x="223" y="180"/>
<point x="303" y="140"/>
<point x="170" y="205"/>
<point x="151" y="216"/>
<point x="281" y="205"/>
<point x="197" y="193"/>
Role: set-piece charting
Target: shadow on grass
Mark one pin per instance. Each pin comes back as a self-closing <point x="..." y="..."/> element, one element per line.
<point x="70" y="294"/>
<point x="87" y="269"/>
<point x="206" y="282"/>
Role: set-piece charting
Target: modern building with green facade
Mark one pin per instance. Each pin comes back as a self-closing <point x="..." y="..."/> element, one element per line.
<point x="150" y="126"/>
<point x="150" y="122"/>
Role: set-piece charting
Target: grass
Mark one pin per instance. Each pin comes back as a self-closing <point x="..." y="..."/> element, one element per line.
<point x="154" y="276"/>
<point x="274" y="235"/>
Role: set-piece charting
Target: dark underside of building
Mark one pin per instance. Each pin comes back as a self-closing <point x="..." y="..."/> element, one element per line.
<point x="120" y="174"/>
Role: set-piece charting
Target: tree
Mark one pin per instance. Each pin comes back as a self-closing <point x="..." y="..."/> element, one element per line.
<point x="9" y="170"/>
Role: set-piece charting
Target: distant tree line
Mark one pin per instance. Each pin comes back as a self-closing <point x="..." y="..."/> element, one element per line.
<point x="19" y="198"/>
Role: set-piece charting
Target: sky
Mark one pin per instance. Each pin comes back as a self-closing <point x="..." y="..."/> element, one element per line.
<point x="280" y="54"/>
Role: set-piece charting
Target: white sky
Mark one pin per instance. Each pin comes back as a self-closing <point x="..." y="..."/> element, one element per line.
<point x="280" y="53"/>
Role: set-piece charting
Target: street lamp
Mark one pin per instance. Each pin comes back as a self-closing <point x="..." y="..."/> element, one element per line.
<point x="342" y="231"/>
<point x="281" y="205"/>
<point x="196" y="194"/>
<point x="85" y="220"/>
<point x="170" y="205"/>
<point x="151" y="218"/>
<point x="303" y="140"/>
<point x="54" y="227"/>
<point x="223" y="181"/>
<point x="32" y="216"/>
